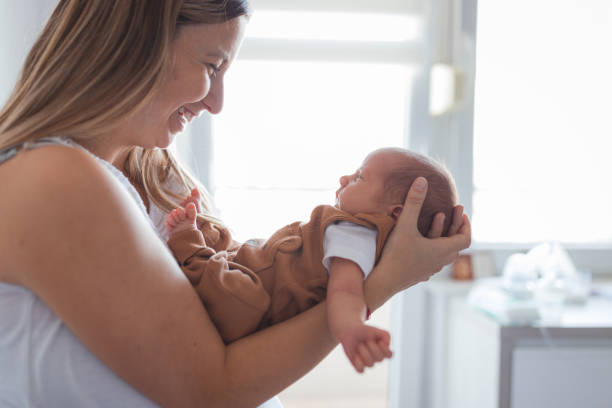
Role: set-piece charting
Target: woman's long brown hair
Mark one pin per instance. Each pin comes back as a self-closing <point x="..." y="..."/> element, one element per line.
<point x="95" y="63"/>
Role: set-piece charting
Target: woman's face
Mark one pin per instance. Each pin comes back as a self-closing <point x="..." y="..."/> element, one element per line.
<point x="202" y="54"/>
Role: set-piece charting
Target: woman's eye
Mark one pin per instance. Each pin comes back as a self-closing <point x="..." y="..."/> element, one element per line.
<point x="212" y="70"/>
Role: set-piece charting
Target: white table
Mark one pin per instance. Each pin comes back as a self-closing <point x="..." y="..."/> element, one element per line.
<point x="487" y="364"/>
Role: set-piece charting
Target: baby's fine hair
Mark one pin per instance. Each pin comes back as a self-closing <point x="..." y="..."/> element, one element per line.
<point x="441" y="191"/>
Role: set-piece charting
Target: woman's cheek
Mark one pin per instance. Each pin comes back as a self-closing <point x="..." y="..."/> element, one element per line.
<point x="202" y="89"/>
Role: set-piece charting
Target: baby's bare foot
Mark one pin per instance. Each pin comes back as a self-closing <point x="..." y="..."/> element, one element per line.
<point x="181" y="219"/>
<point x="194" y="198"/>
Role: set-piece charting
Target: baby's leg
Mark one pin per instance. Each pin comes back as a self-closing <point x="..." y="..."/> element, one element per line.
<point x="181" y="219"/>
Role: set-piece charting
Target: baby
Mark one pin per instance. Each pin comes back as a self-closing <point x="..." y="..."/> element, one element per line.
<point x="257" y="284"/>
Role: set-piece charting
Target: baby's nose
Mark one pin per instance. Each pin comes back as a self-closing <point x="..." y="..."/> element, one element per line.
<point x="343" y="180"/>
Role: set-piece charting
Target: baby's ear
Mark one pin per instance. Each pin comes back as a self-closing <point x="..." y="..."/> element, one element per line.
<point x="395" y="210"/>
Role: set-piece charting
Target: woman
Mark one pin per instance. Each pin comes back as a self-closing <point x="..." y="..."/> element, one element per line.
<point x="93" y="309"/>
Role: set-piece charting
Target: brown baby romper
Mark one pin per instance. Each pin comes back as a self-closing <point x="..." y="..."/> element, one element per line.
<point x="248" y="287"/>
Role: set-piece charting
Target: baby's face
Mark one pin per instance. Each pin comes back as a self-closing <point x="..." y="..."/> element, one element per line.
<point x="363" y="191"/>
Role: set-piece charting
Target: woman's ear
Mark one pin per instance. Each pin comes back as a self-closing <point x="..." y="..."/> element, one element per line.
<point x="395" y="210"/>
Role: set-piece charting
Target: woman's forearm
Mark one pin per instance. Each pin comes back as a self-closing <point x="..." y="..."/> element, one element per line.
<point x="276" y="356"/>
<point x="376" y="288"/>
<point x="280" y="355"/>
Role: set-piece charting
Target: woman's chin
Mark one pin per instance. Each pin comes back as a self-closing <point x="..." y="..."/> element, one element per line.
<point x="174" y="130"/>
<point x="162" y="140"/>
<point x="177" y="125"/>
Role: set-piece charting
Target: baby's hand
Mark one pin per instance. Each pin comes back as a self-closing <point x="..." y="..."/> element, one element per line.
<point x="365" y="345"/>
<point x="181" y="219"/>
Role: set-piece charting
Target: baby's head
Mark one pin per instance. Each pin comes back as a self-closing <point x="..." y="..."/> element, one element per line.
<point x="382" y="182"/>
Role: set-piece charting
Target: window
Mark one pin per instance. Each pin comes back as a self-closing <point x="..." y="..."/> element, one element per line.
<point x="323" y="88"/>
<point x="282" y="146"/>
<point x="541" y="123"/>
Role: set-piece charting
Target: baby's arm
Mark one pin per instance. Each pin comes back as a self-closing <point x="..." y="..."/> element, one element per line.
<point x="346" y="311"/>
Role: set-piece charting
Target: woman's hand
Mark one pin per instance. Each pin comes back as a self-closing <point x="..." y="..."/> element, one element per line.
<point x="408" y="257"/>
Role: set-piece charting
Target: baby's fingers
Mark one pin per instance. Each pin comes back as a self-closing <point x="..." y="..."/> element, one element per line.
<point x="364" y="352"/>
<point x="384" y="347"/>
<point x="375" y="351"/>
<point x="357" y="363"/>
<point x="380" y="350"/>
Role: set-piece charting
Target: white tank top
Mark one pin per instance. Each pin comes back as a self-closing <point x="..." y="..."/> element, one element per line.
<point x="42" y="364"/>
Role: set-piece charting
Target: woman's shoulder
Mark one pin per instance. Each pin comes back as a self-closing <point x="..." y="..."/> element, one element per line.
<point x="49" y="177"/>
<point x="58" y="194"/>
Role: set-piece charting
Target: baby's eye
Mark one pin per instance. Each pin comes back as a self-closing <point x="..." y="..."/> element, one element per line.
<point x="359" y="177"/>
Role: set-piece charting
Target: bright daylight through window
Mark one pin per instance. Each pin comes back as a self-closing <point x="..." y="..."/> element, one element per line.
<point x="304" y="123"/>
<point x="542" y="122"/>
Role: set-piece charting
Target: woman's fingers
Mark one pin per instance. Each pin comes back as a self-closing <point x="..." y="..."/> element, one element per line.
<point x="457" y="242"/>
<point x="447" y="249"/>
<point x="413" y="203"/>
<point x="437" y="226"/>
<point x="457" y="220"/>
<point x="465" y="232"/>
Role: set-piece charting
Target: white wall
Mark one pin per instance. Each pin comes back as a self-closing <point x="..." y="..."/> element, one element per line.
<point x="20" y="24"/>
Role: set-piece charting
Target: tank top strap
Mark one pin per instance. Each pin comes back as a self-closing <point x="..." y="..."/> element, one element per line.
<point x="8" y="154"/>
<point x="12" y="151"/>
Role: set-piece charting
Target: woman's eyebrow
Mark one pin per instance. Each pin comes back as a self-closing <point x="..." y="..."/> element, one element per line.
<point x="220" y="54"/>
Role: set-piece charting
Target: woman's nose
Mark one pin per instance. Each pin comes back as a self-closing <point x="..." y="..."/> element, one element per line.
<point x="214" y="99"/>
